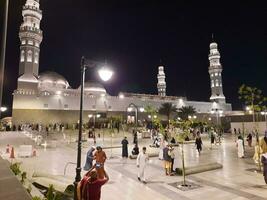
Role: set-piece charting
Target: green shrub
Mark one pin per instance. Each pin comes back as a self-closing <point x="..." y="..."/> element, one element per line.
<point x="23" y="177"/>
<point x="37" y="198"/>
<point x="52" y="194"/>
<point x="15" y="168"/>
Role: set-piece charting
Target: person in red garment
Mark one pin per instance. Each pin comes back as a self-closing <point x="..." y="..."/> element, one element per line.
<point x="93" y="186"/>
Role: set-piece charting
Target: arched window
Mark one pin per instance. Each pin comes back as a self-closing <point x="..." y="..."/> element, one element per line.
<point x="29" y="56"/>
<point x="217" y="83"/>
<point x="212" y="83"/>
<point x="22" y="56"/>
<point x="36" y="57"/>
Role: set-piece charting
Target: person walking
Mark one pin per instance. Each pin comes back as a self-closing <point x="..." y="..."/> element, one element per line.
<point x="100" y="158"/>
<point x="198" y="143"/>
<point x="264" y="163"/>
<point x="134" y="136"/>
<point x="89" y="159"/>
<point x="212" y="137"/>
<point x="249" y="139"/>
<point x="240" y="147"/>
<point x="167" y="160"/>
<point x="263" y="144"/>
<point x="161" y="147"/>
<point x="141" y="163"/>
<point x="172" y="155"/>
<point x="124" y="143"/>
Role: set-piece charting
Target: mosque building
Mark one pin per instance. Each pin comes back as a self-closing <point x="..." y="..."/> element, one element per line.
<point x="47" y="97"/>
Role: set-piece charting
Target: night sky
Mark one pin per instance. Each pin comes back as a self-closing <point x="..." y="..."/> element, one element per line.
<point x="133" y="36"/>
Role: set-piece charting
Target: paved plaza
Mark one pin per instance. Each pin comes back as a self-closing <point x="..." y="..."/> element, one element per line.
<point x="232" y="182"/>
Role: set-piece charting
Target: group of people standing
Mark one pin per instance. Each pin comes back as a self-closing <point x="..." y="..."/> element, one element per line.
<point x="260" y="155"/>
<point x="89" y="188"/>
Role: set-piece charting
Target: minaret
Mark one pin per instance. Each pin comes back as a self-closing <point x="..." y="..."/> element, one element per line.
<point x="31" y="37"/>
<point x="161" y="82"/>
<point x="215" y="71"/>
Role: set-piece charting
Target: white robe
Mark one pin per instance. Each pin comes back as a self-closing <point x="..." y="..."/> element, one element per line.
<point x="240" y="148"/>
<point x="141" y="161"/>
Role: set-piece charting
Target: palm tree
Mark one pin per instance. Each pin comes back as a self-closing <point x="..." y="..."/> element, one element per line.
<point x="167" y="109"/>
<point x="185" y="111"/>
<point x="150" y="110"/>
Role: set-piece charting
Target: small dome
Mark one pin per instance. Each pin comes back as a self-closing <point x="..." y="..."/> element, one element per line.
<point x="213" y="45"/>
<point x="94" y="88"/>
<point x="53" y="79"/>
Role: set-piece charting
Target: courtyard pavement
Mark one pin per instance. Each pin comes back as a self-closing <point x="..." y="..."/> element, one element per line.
<point x="232" y="182"/>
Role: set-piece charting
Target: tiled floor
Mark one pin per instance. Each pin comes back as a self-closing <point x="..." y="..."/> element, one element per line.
<point x="232" y="182"/>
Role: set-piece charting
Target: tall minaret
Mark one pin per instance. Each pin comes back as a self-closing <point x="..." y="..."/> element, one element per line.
<point x="31" y="37"/>
<point x="215" y="71"/>
<point x="161" y="82"/>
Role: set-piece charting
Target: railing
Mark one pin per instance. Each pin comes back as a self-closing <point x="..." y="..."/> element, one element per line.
<point x="67" y="164"/>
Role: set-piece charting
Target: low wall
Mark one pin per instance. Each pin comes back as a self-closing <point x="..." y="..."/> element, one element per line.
<point x="21" y="116"/>
<point x="249" y="126"/>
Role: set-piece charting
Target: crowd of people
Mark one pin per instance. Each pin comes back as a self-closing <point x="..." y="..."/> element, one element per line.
<point x="260" y="152"/>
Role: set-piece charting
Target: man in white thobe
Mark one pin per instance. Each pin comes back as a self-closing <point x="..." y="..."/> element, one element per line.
<point x="240" y="147"/>
<point x="141" y="163"/>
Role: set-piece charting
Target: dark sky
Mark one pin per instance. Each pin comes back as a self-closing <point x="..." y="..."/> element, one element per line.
<point x="133" y="36"/>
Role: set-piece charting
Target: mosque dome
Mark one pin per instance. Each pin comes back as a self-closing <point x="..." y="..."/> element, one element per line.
<point x="94" y="88"/>
<point x="53" y="80"/>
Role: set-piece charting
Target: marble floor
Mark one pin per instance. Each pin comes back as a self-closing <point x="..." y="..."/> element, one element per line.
<point x="232" y="182"/>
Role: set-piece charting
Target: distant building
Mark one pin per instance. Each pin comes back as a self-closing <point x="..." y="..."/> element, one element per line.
<point x="161" y="82"/>
<point x="47" y="97"/>
<point x="215" y="71"/>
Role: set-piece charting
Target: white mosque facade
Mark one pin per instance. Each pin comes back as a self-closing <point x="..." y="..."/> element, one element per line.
<point x="47" y="97"/>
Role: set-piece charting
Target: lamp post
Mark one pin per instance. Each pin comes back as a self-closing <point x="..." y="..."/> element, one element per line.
<point x="218" y="113"/>
<point x="105" y="74"/>
<point x="130" y="109"/>
<point x="3" y="51"/>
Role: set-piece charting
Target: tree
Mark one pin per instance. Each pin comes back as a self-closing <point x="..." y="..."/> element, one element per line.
<point x="185" y="127"/>
<point x="185" y="111"/>
<point x="167" y="109"/>
<point x="253" y="99"/>
<point x="150" y="110"/>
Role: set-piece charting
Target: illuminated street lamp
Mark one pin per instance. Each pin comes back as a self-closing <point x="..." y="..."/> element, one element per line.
<point x="121" y="96"/>
<point x="218" y="112"/>
<point x="3" y="109"/>
<point x="105" y="74"/>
